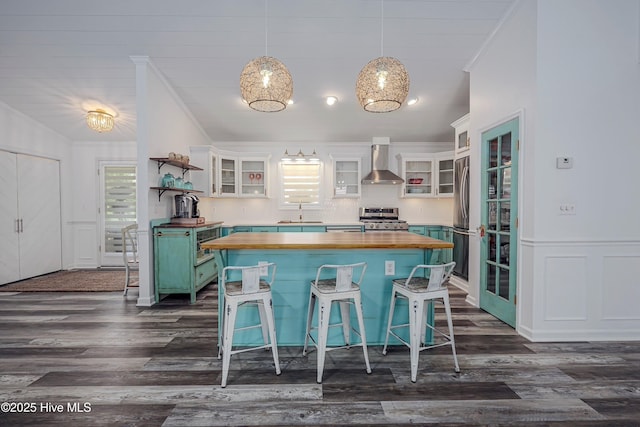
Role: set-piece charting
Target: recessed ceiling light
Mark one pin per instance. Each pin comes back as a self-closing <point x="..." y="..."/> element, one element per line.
<point x="290" y="102"/>
<point x="331" y="100"/>
<point x="412" y="101"/>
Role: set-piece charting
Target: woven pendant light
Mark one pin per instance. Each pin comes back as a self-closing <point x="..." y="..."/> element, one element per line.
<point x="383" y="84"/>
<point x="266" y="84"/>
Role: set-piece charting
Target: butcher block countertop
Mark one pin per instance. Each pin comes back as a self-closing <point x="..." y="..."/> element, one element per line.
<point x="285" y="240"/>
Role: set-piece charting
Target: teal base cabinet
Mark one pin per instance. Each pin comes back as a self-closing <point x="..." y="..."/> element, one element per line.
<point x="181" y="266"/>
<point x="439" y="232"/>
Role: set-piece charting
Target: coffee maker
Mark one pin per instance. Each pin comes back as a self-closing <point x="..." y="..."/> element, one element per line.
<point x="186" y="206"/>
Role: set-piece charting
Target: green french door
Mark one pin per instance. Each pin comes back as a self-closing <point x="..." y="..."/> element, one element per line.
<point x="499" y="229"/>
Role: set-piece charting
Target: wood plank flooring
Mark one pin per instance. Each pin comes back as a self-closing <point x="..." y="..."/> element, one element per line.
<point x="158" y="367"/>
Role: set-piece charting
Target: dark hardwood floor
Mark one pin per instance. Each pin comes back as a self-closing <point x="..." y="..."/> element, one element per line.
<point x="95" y="359"/>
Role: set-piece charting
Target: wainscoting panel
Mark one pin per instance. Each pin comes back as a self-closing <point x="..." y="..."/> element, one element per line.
<point x="565" y="288"/>
<point x="621" y="287"/>
<point x="579" y="290"/>
<point x="85" y="245"/>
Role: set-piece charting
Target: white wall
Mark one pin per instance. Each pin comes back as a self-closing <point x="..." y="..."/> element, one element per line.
<point x="574" y="75"/>
<point x="21" y="134"/>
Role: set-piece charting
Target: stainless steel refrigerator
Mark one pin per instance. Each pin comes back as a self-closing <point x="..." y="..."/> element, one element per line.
<point x="461" y="218"/>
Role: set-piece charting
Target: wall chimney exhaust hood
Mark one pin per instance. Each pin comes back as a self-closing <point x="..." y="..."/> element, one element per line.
<point x="380" y="173"/>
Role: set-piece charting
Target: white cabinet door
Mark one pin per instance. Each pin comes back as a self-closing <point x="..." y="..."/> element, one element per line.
<point x="253" y="177"/>
<point x="9" y="225"/>
<point x="427" y="175"/>
<point x="39" y="208"/>
<point x="346" y="177"/>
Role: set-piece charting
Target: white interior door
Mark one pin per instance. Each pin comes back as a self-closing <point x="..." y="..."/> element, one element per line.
<point x="9" y="225"/>
<point x="39" y="209"/>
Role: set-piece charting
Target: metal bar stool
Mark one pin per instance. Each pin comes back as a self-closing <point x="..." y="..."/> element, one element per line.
<point x="250" y="290"/>
<point x="418" y="291"/>
<point x="339" y="289"/>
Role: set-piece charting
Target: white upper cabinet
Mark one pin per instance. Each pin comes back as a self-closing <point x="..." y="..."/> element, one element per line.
<point x="427" y="175"/>
<point x="346" y="177"/>
<point x="462" y="140"/>
<point x="229" y="174"/>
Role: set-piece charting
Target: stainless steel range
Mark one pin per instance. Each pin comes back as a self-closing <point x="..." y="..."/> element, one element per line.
<point x="382" y="219"/>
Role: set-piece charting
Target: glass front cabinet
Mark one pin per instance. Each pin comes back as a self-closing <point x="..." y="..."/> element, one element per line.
<point x="427" y="175"/>
<point x="346" y="177"/>
<point x="230" y="174"/>
<point x="462" y="140"/>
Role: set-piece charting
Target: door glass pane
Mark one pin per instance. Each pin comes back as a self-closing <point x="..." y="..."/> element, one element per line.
<point x="492" y="242"/>
<point x="119" y="204"/>
<point x="504" y="249"/>
<point x="506" y="149"/>
<point x="491" y="278"/>
<point x="503" y="281"/>
<point x="493" y="153"/>
<point x="493" y="208"/>
<point x="505" y="184"/>
<point x="505" y="216"/>
<point x="493" y="182"/>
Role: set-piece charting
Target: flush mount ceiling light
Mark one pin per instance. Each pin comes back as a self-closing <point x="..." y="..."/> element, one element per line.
<point x="412" y="101"/>
<point x="383" y="84"/>
<point x="265" y="83"/>
<point x="99" y="120"/>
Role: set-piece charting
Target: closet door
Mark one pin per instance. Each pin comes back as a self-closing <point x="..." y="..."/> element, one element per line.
<point x="39" y="208"/>
<point x="9" y="225"/>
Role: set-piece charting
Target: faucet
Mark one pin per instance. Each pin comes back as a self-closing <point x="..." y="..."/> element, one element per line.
<point x="300" y="210"/>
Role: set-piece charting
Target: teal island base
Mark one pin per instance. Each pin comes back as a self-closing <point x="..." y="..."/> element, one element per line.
<point x="295" y="271"/>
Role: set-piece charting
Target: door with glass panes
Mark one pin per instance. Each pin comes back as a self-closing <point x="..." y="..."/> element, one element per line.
<point x="499" y="216"/>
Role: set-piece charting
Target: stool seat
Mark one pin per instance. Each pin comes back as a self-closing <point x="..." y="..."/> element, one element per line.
<point x="418" y="291"/>
<point x="342" y="290"/>
<point x="328" y="286"/>
<point x="251" y="291"/>
<point x="235" y="288"/>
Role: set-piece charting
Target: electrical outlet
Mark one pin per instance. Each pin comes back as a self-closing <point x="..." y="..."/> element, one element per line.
<point x="389" y="268"/>
<point x="264" y="270"/>
<point x="567" y="209"/>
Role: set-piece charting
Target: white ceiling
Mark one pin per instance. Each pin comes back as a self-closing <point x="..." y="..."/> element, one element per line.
<point x="60" y="58"/>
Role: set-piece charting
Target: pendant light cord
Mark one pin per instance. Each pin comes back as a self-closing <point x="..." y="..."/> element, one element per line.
<point x="381" y="28"/>
<point x="266" y="26"/>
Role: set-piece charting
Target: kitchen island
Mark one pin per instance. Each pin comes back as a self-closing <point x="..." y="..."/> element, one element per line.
<point x="298" y="256"/>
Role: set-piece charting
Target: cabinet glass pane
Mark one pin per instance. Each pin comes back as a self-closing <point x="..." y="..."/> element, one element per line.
<point x="253" y="176"/>
<point x="462" y="140"/>
<point x="347" y="177"/>
<point x="418" y="176"/>
<point x="228" y="176"/>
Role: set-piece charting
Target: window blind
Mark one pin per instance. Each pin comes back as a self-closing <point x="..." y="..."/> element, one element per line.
<point x="119" y="204"/>
<point x="301" y="183"/>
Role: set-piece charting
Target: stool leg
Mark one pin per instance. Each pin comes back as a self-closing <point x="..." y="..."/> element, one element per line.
<point x="415" y="314"/>
<point x="263" y="321"/>
<point x="447" y="309"/>
<point x="324" y="313"/>
<point x="345" y="314"/>
<point x="268" y="305"/>
<point x="358" y="304"/>
<point x="312" y="303"/>
<point x="392" y="305"/>
<point x="126" y="281"/>
<point x="230" y="321"/>
<point x="423" y="322"/>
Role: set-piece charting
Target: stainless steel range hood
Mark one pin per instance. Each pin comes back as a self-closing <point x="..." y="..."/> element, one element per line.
<point x="380" y="173"/>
